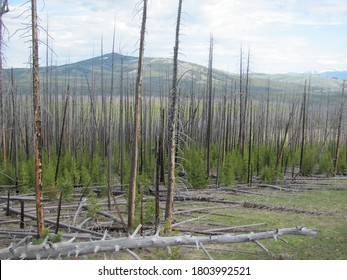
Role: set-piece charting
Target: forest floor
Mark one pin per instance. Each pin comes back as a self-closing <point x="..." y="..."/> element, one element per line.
<point x="314" y="202"/>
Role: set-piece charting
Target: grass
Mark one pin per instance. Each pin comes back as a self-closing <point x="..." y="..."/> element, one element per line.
<point x="331" y="241"/>
<point x="329" y="244"/>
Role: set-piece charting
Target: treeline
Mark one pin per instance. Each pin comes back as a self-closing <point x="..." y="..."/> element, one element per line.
<point x="92" y="135"/>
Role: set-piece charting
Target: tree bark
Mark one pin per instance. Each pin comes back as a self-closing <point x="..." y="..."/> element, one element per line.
<point x="172" y="127"/>
<point x="3" y="10"/>
<point x="303" y="129"/>
<point x="58" y="250"/>
<point x="137" y="121"/>
<point x="209" y="108"/>
<point x="37" y="119"/>
<point x="338" y="137"/>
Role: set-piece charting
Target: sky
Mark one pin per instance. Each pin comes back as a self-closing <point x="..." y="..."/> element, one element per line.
<point x="282" y="35"/>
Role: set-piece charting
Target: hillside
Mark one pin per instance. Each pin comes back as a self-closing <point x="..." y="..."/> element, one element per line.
<point x="157" y="77"/>
<point x="341" y="75"/>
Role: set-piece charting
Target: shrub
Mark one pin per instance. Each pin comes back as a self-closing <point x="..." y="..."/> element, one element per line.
<point x="92" y="205"/>
<point x="227" y="174"/>
<point x="268" y="174"/>
<point x="149" y="212"/>
<point x="240" y="166"/>
<point x="55" y="238"/>
<point x="309" y="161"/>
<point x="195" y="168"/>
<point x="326" y="164"/>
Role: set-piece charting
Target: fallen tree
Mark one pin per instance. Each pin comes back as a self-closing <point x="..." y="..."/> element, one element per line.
<point x="261" y="206"/>
<point x="26" y="250"/>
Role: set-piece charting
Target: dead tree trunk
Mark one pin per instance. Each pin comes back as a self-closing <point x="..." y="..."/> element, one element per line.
<point x="240" y="144"/>
<point x="336" y="160"/>
<point x="58" y="250"/>
<point x="121" y="125"/>
<point x="109" y="128"/>
<point x="209" y="108"/>
<point x="37" y="119"/>
<point x="249" y="168"/>
<point x="303" y="129"/>
<point x="14" y="131"/>
<point x="58" y="161"/>
<point x="3" y="10"/>
<point x="137" y="121"/>
<point x="172" y="127"/>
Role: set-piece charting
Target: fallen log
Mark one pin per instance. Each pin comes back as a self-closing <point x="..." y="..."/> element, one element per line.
<point x="74" y="228"/>
<point x="232" y="228"/>
<point x="48" y="250"/>
<point x="278" y="188"/>
<point x="260" y="206"/>
<point x="205" y="199"/>
<point x="12" y="234"/>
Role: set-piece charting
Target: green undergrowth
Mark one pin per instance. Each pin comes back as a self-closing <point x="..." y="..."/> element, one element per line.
<point x="329" y="244"/>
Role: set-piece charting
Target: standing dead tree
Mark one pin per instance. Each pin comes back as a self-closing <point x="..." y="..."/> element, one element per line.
<point x="172" y="127"/>
<point x="37" y="119"/>
<point x="137" y="120"/>
<point x="340" y="116"/>
<point x="303" y="129"/>
<point x="3" y="10"/>
<point x="209" y="109"/>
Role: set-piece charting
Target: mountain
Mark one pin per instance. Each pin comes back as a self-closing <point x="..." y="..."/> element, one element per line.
<point x="341" y="75"/>
<point x="85" y="76"/>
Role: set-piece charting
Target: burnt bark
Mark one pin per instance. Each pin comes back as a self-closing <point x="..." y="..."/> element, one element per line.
<point x="137" y="121"/>
<point x="172" y="127"/>
<point x="37" y="119"/>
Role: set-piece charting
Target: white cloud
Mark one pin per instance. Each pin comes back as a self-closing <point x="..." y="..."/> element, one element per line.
<point x="282" y="34"/>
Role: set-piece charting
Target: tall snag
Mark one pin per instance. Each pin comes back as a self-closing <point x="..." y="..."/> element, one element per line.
<point x="3" y="10"/>
<point x="137" y="120"/>
<point x="37" y="120"/>
<point x="172" y="127"/>
<point x="338" y="137"/>
<point x="303" y="129"/>
<point x="209" y="108"/>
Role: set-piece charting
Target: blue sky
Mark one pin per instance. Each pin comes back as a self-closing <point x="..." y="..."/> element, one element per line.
<point x="283" y="35"/>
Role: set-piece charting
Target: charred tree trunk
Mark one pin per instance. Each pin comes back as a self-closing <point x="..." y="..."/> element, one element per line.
<point x="14" y="131"/>
<point x="338" y="137"/>
<point x="303" y="129"/>
<point x="250" y="135"/>
<point x="172" y="127"/>
<point x="3" y="10"/>
<point x="121" y="126"/>
<point x="209" y="109"/>
<point x="137" y="121"/>
<point x="240" y="143"/>
<point x="110" y="130"/>
<point x="37" y="119"/>
<point x="58" y="161"/>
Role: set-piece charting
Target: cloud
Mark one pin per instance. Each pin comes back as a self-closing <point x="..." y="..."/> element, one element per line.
<point x="284" y="35"/>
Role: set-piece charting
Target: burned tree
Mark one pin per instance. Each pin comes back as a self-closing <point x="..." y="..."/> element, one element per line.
<point x="209" y="109"/>
<point x="3" y="10"/>
<point x="37" y="119"/>
<point x="340" y="116"/>
<point x="172" y="126"/>
<point x="137" y="120"/>
<point x="69" y="248"/>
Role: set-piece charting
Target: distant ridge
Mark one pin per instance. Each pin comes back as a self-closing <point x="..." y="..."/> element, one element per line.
<point x="158" y="71"/>
<point x="341" y="75"/>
